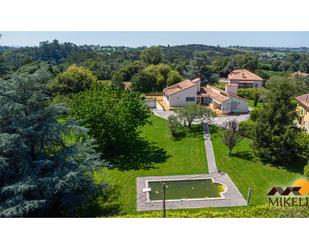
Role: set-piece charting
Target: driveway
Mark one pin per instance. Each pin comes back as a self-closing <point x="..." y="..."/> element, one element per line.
<point x="218" y="121"/>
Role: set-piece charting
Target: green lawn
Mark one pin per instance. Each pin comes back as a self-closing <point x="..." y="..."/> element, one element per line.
<point x="185" y="156"/>
<point x="251" y="101"/>
<point x="247" y="171"/>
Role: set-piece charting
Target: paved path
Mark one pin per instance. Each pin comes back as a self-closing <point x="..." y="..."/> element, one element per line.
<point x="210" y="155"/>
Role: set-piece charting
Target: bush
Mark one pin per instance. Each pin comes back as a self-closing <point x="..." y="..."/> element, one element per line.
<point x="247" y="93"/>
<point x="254" y="114"/>
<point x="175" y="127"/>
<point x="247" y="128"/>
<point x="262" y="211"/>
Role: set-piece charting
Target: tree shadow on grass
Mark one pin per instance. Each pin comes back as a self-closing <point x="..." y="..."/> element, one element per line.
<point x="140" y="154"/>
<point x="296" y="166"/>
<point x="245" y="155"/>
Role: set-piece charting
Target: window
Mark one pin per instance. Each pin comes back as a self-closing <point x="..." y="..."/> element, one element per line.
<point x="190" y="99"/>
<point x="234" y="105"/>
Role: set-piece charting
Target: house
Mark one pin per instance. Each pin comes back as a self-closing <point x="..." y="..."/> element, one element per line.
<point x="245" y="79"/>
<point x="182" y="93"/>
<point x="190" y="91"/>
<point x="303" y="111"/>
<point x="300" y="74"/>
<point x="223" y="102"/>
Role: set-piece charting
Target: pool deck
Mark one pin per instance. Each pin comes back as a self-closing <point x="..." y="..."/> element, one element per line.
<point x="231" y="198"/>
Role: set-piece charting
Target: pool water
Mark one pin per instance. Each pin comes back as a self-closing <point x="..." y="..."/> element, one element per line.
<point x="185" y="189"/>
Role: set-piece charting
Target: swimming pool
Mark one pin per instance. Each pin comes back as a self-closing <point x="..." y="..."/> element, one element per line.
<point x="186" y="189"/>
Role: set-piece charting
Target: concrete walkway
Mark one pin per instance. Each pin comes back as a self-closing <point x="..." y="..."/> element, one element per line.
<point x="210" y="155"/>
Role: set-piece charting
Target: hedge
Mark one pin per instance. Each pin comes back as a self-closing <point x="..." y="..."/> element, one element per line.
<point x="263" y="211"/>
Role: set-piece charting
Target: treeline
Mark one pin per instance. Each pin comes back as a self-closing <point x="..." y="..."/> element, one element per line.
<point x="129" y="64"/>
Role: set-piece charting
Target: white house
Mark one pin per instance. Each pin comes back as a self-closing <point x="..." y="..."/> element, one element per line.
<point x="222" y="101"/>
<point x="190" y="91"/>
<point x="245" y="79"/>
<point x="182" y="93"/>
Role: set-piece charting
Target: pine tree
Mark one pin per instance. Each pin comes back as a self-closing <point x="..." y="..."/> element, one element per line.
<point x="275" y="136"/>
<point x="41" y="174"/>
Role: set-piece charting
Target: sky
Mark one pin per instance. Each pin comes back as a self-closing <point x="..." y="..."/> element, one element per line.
<point x="136" y="39"/>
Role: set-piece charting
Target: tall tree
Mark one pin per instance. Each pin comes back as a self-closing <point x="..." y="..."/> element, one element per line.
<point x="75" y="79"/>
<point x="113" y="116"/>
<point x="230" y="134"/>
<point x="275" y="136"/>
<point x="41" y="174"/>
<point x="152" y="55"/>
<point x="198" y="67"/>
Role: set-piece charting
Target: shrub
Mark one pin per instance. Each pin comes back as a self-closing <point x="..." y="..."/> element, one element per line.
<point x="254" y="114"/>
<point x="246" y="128"/>
<point x="174" y="126"/>
<point x="261" y="211"/>
<point x="247" y="93"/>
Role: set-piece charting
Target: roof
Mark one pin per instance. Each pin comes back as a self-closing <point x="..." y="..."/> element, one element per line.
<point x="303" y="100"/>
<point x="180" y="86"/>
<point x="299" y="73"/>
<point x="213" y="94"/>
<point x="223" y="96"/>
<point x="244" y="75"/>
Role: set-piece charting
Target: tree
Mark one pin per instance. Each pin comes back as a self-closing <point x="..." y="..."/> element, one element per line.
<point x="113" y="117"/>
<point x="198" y="67"/>
<point x="154" y="78"/>
<point x="173" y="77"/>
<point x="75" y="79"/>
<point x="276" y="132"/>
<point x="41" y="174"/>
<point x="117" y="79"/>
<point x="152" y="55"/>
<point x="230" y="134"/>
<point x="174" y="125"/>
<point x="144" y="82"/>
<point x="192" y="112"/>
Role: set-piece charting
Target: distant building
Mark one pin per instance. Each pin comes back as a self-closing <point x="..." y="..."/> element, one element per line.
<point x="299" y="73"/>
<point x="303" y="111"/>
<point x="190" y="91"/>
<point x="245" y="79"/>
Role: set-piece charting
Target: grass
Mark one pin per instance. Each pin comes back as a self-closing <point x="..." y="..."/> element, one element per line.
<point x="247" y="171"/>
<point x="251" y="104"/>
<point x="187" y="156"/>
<point x="184" y="156"/>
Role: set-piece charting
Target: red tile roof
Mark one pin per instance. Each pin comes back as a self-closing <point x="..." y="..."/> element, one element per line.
<point x="222" y="96"/>
<point x="299" y="73"/>
<point x="244" y="75"/>
<point x="303" y="100"/>
<point x="180" y="86"/>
